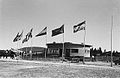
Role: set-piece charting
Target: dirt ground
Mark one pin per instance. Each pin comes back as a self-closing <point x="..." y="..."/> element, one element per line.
<point x="40" y="69"/>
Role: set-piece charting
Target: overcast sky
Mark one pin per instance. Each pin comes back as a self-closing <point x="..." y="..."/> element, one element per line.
<point x="18" y="15"/>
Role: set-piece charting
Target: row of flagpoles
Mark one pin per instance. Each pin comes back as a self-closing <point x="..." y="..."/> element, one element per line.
<point x="57" y="31"/>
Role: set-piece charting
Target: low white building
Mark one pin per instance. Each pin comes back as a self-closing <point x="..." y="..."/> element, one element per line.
<point x="70" y="49"/>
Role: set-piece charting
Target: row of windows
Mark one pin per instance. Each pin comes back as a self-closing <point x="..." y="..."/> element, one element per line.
<point x="67" y="50"/>
<point x="76" y="51"/>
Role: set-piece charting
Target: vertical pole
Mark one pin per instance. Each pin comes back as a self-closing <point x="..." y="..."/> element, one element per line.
<point x="17" y="45"/>
<point x="26" y="49"/>
<point x="21" y="51"/>
<point x="63" y="49"/>
<point x="17" y="52"/>
<point x="111" y="39"/>
<point x="31" y="50"/>
<point x="46" y="48"/>
<point x="84" y="43"/>
<point x="26" y="52"/>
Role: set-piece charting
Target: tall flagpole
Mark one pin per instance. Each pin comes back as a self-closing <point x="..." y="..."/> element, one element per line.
<point x="111" y="38"/>
<point x="31" y="50"/>
<point x="22" y="51"/>
<point x="19" y="50"/>
<point x="46" y="45"/>
<point x="26" y="49"/>
<point x="84" y="43"/>
<point x="63" y="47"/>
<point x="17" y="45"/>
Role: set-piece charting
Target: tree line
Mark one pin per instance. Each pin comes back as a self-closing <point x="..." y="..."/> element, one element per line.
<point x="94" y="52"/>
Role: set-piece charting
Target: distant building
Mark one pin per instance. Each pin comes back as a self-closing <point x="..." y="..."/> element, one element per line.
<point x="70" y="49"/>
<point x="35" y="50"/>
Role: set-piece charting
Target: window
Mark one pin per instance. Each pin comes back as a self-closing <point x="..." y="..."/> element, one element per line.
<point x="74" y="50"/>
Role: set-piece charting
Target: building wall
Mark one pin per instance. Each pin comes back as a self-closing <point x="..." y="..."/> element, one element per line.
<point x="80" y="52"/>
<point x="87" y="52"/>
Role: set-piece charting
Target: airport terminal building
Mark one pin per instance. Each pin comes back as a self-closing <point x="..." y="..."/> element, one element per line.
<point x="70" y="49"/>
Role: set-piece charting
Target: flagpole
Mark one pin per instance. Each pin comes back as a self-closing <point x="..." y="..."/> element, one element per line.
<point x="111" y="38"/>
<point x="22" y="50"/>
<point x="17" y="45"/>
<point x="84" y="43"/>
<point x="63" y="49"/>
<point x="46" y="44"/>
<point x="31" y="50"/>
<point x="26" y="49"/>
<point x="18" y="49"/>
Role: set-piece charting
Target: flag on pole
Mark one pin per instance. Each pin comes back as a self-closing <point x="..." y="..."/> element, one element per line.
<point x="43" y="32"/>
<point x="58" y="31"/>
<point x="20" y="36"/>
<point x="79" y="27"/>
<point x="29" y="35"/>
<point x="16" y="38"/>
<point x="25" y="39"/>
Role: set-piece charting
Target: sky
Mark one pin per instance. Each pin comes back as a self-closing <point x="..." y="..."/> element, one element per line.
<point x="18" y="15"/>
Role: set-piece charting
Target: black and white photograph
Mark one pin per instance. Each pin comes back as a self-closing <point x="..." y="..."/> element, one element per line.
<point x="59" y="38"/>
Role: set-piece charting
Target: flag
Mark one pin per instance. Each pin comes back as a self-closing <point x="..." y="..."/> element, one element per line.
<point x="25" y="39"/>
<point x="79" y="27"/>
<point x="58" y="31"/>
<point x="43" y="32"/>
<point x="29" y="35"/>
<point x="16" y="38"/>
<point x="20" y="36"/>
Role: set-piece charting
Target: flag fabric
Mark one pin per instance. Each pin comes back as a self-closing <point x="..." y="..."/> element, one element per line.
<point x="43" y="32"/>
<point x="16" y="38"/>
<point x="79" y="27"/>
<point x="25" y="39"/>
<point x="58" y="31"/>
<point x="29" y="35"/>
<point x="20" y="36"/>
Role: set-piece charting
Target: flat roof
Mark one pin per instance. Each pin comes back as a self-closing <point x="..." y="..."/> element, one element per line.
<point x="66" y="44"/>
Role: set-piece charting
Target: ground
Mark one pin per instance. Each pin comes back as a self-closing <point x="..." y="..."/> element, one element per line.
<point x="41" y="69"/>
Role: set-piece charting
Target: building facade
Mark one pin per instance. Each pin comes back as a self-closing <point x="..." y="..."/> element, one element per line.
<point x="68" y="49"/>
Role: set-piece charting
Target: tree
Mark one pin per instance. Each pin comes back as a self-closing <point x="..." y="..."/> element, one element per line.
<point x="99" y="51"/>
<point x="94" y="54"/>
<point x="114" y="53"/>
<point x="91" y="52"/>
